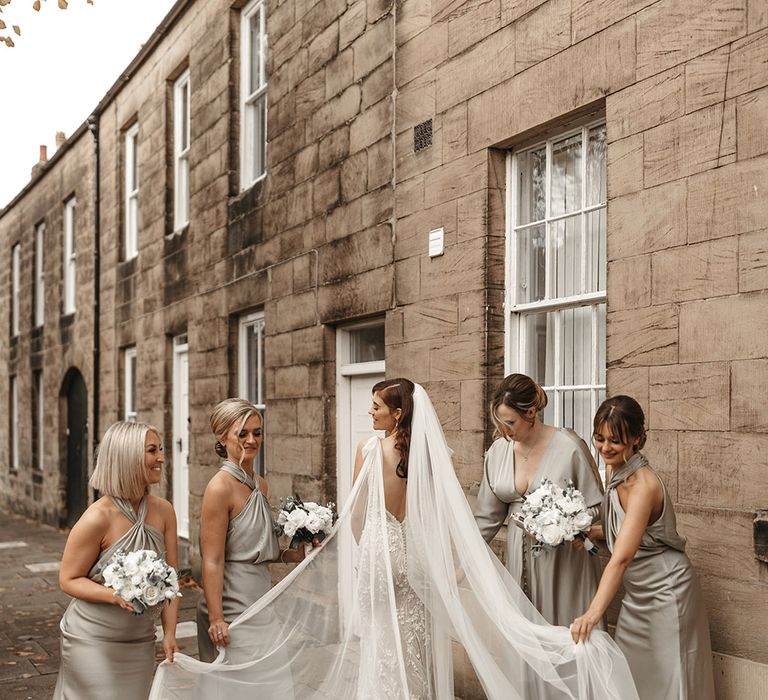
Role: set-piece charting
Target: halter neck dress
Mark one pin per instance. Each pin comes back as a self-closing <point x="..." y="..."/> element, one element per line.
<point x="250" y="546"/>
<point x="107" y="652"/>
<point x="662" y="627"/>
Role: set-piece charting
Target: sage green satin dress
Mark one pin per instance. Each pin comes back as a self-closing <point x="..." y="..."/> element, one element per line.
<point x="662" y="627"/>
<point x="251" y="545"/>
<point x="107" y="652"/>
<point x="562" y="582"/>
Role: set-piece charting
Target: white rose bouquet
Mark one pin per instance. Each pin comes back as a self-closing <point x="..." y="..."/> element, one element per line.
<point x="554" y="515"/>
<point x="142" y="578"/>
<point x="304" y="522"/>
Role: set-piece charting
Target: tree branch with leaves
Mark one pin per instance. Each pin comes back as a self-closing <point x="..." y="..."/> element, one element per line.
<point x="6" y="38"/>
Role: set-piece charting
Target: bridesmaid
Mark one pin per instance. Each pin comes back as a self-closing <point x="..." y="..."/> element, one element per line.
<point x="662" y="627"/>
<point x="560" y="583"/>
<point x="104" y="646"/>
<point x="237" y="539"/>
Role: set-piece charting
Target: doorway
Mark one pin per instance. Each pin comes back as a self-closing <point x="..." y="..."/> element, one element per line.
<point x="181" y="434"/>
<point x="75" y="403"/>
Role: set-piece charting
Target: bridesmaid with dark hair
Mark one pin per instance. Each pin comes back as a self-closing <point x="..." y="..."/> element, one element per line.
<point x="662" y="627"/>
<point x="560" y="583"/>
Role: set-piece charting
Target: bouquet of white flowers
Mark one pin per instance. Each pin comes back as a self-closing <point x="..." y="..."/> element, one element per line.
<point x="304" y="522"/>
<point x="142" y="578"/>
<point x="554" y="515"/>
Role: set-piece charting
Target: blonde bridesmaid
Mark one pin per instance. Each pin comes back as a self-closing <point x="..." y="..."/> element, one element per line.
<point x="560" y="583"/>
<point x="662" y="627"/>
<point x="106" y="650"/>
<point x="237" y="538"/>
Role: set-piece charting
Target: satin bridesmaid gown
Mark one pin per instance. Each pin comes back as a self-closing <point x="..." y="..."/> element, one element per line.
<point x="251" y="545"/>
<point x="662" y="627"/>
<point x="107" y="652"/>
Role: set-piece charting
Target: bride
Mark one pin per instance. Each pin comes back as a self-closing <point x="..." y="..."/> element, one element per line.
<point x="373" y="614"/>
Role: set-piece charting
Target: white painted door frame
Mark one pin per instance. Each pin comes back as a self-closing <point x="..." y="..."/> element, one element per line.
<point x="181" y="434"/>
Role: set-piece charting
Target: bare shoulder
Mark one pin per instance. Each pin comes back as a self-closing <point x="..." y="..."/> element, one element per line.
<point x="643" y="484"/>
<point x="263" y="485"/>
<point x="162" y="506"/>
<point x="96" y="519"/>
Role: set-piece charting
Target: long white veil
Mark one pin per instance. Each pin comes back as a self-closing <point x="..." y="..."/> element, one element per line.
<point x="337" y="627"/>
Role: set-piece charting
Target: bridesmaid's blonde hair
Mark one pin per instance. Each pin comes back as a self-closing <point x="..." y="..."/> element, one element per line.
<point x="120" y="460"/>
<point x="519" y="392"/>
<point x="225" y="415"/>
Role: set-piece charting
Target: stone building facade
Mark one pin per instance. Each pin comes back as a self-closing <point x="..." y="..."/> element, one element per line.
<point x="594" y="177"/>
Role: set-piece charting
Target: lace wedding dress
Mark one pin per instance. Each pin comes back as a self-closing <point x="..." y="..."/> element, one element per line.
<point x="375" y="612"/>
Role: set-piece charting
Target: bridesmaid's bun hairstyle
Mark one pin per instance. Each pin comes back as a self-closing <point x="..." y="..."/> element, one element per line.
<point x="624" y="417"/>
<point x="518" y="392"/>
<point x="119" y="468"/>
<point x="226" y="414"/>
<point x="398" y="393"/>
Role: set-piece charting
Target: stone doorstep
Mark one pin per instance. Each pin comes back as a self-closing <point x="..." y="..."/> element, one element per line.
<point x="12" y="545"/>
<point x="184" y="630"/>
<point x="43" y="567"/>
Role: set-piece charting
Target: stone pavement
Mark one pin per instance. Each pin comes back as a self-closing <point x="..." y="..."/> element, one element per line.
<point x="31" y="606"/>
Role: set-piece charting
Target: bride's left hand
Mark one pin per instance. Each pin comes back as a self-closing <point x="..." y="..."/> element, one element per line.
<point x="581" y="627"/>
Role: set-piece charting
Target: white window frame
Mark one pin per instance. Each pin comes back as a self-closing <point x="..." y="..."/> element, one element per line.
<point x="15" y="288"/>
<point x="252" y="323"/>
<point x="252" y="103"/>
<point x="70" y="256"/>
<point x="181" y="127"/>
<point x="131" y="223"/>
<point x="14" y="420"/>
<point x="517" y="341"/>
<point x="37" y="379"/>
<point x="39" y="275"/>
<point x="130" y="367"/>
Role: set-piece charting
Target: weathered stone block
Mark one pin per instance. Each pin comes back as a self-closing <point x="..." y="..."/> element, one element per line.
<point x="354" y="254"/>
<point x="333" y="148"/>
<point x="749" y="385"/>
<point x="752" y="129"/>
<point x="648" y="103"/>
<point x="411" y="162"/>
<point x="370" y="126"/>
<point x="380" y="163"/>
<point x="527" y="99"/>
<point x="335" y="112"/>
<point x="412" y="231"/>
<point x="689" y="397"/>
<point x="591" y="16"/>
<point x="696" y="271"/>
<point x="281" y="417"/>
<point x="652" y="219"/>
<point x="510" y="11"/>
<point x="453" y="129"/>
<point x="407" y="282"/>
<point x="543" y="33"/>
<point x="456" y="179"/>
<point x="662" y="453"/>
<point x="489" y="63"/>
<point x="379" y="85"/>
<point x="669" y="33"/>
<point x="377" y="207"/>
<point x="472" y="312"/>
<point x="291" y="454"/>
<point x="351" y="24"/>
<point x="688" y="145"/>
<point x="320" y="15"/>
<point x="757" y="14"/>
<point x="339" y="74"/>
<point x="642" y="337"/>
<point x="373" y="47"/>
<point x="624" y="165"/>
<point x="409" y="196"/>
<point x="629" y="282"/>
<point x="705" y="79"/>
<point x="753" y="261"/>
<point x="362" y="295"/>
<point x="326" y="190"/>
<point x="477" y="21"/>
<point x="729" y="200"/>
<point x="473" y="408"/>
<point x="458" y="357"/>
<point x="295" y="311"/>
<point x="459" y="269"/>
<point x="310" y="95"/>
<point x="308" y="346"/>
<point x="747" y="69"/>
<point x="433" y="319"/>
<point x="354" y="176"/>
<point x="413" y="16"/>
<point x="422" y="53"/>
<point x="416" y="101"/>
<point x="323" y="47"/>
<point x="291" y="382"/>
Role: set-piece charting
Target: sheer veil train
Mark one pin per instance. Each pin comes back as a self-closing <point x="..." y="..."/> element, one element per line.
<point x="374" y="613"/>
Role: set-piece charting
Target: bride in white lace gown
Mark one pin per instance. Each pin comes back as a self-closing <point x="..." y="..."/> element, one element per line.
<point x="405" y="575"/>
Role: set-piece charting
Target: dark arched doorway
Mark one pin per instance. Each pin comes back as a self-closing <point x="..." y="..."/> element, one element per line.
<point x="74" y="402"/>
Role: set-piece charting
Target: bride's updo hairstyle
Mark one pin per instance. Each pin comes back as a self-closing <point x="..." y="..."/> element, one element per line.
<point x="226" y="414"/>
<point x="119" y="468"/>
<point x="398" y="393"/>
<point x="624" y="417"/>
<point x="519" y="392"/>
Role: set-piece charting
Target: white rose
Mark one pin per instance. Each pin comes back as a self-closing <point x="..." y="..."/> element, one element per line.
<point x="131" y="564"/>
<point x="289" y="529"/>
<point x="282" y="517"/>
<point x="569" y="506"/>
<point x="170" y="594"/>
<point x="534" y="500"/>
<point x="314" y="523"/>
<point x="551" y="535"/>
<point x="582" y="521"/>
<point x="297" y="518"/>
<point x="151" y="595"/>
<point x="310" y="506"/>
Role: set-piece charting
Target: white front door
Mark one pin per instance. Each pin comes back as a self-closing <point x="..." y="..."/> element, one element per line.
<point x="181" y="434"/>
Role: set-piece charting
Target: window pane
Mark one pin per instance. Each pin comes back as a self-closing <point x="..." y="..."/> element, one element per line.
<point x="257" y="127"/>
<point x="134" y="175"/>
<point x="539" y="347"/>
<point x="566" y="175"/>
<point x="577" y="351"/>
<point x="567" y="250"/>
<point x="575" y="411"/>
<point x="531" y="200"/>
<point x="184" y="117"/>
<point x="254" y="26"/>
<point x="531" y="264"/>
<point x="600" y="345"/>
<point x="596" y="191"/>
<point x="367" y="344"/>
<point x="595" y="258"/>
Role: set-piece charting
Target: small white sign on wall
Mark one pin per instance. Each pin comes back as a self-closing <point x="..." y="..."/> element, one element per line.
<point x="436" y="242"/>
